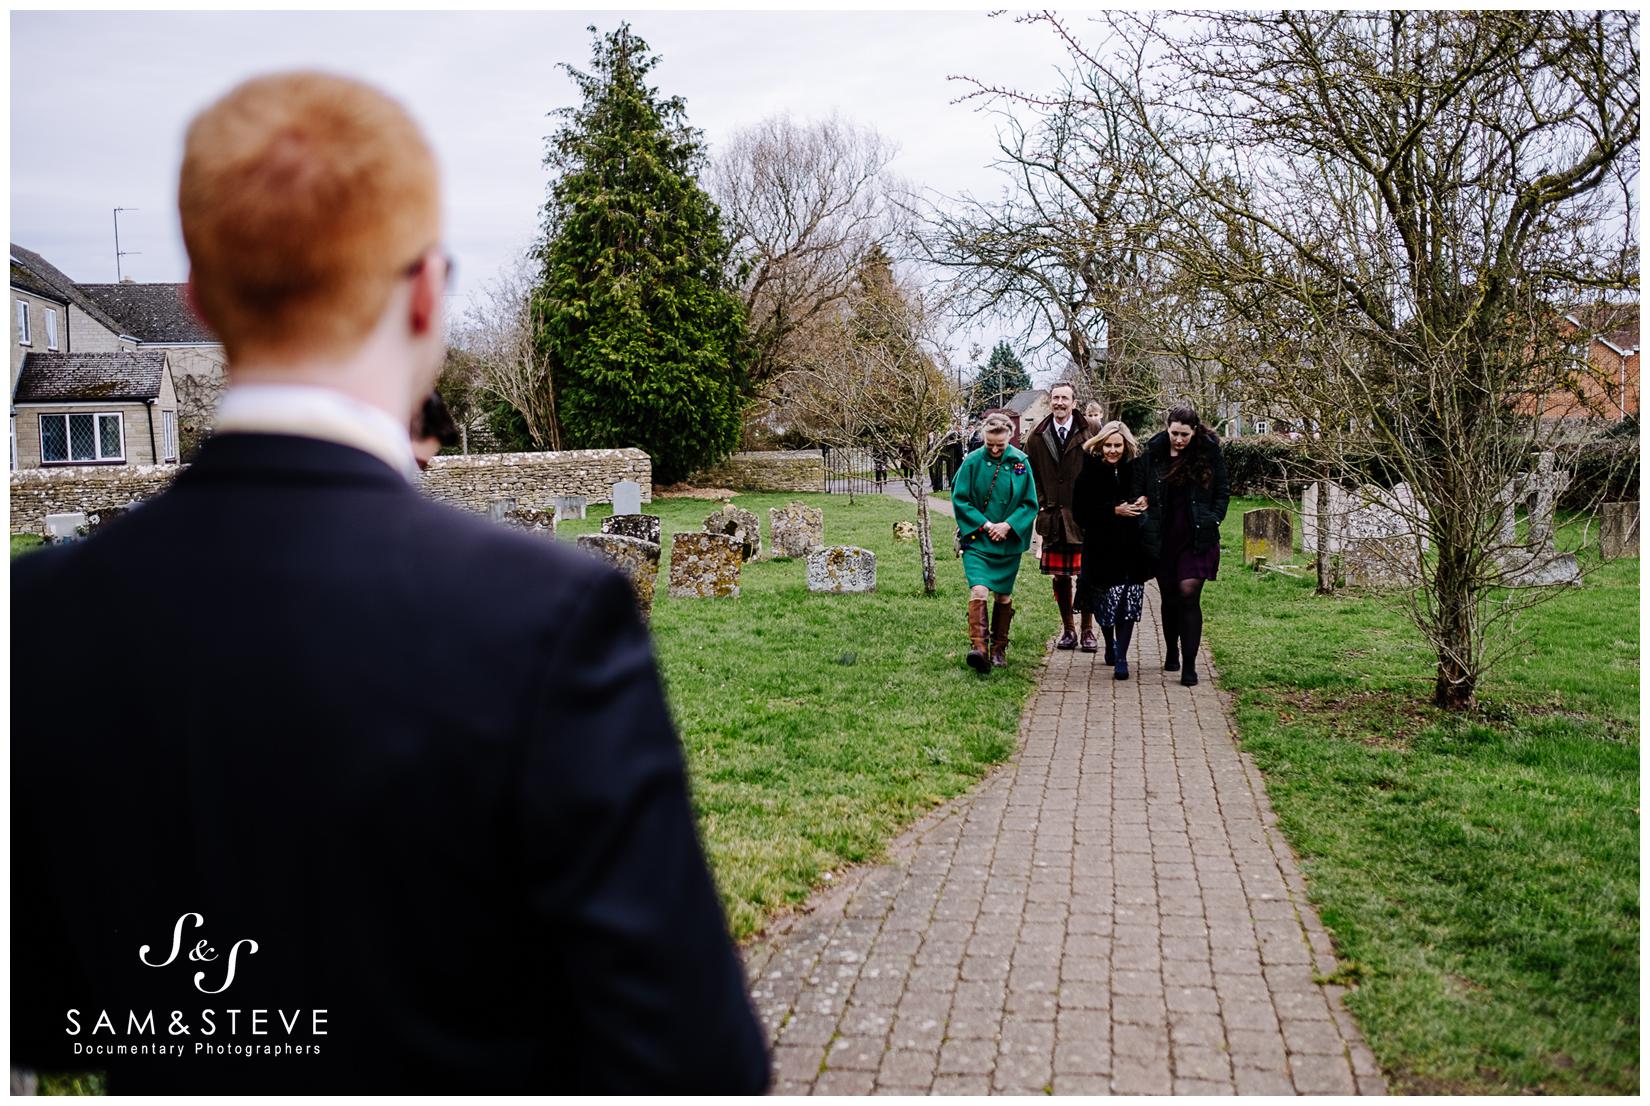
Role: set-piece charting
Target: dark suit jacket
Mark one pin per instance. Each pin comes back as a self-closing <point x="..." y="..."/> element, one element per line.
<point x="1056" y="470"/>
<point x="424" y="762"/>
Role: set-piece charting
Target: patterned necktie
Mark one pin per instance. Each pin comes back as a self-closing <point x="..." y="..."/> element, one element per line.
<point x="1062" y="431"/>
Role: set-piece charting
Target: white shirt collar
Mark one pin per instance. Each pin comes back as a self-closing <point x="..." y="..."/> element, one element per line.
<point x="1058" y="425"/>
<point x="314" y="412"/>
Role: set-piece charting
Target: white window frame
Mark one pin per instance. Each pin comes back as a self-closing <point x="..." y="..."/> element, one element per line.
<point x="1263" y="426"/>
<point x="23" y="337"/>
<point x="169" y="435"/>
<point x="97" y="438"/>
<point x="14" y="443"/>
<point x="51" y="327"/>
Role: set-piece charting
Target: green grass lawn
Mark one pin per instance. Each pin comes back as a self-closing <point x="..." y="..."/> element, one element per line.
<point x="818" y="726"/>
<point x="22" y="543"/>
<point x="1479" y="873"/>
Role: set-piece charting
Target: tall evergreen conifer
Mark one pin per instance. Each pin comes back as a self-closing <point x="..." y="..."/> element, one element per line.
<point x="646" y="340"/>
<point x="1003" y="377"/>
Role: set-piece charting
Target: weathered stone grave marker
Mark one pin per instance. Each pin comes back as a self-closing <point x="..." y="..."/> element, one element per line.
<point x="645" y="527"/>
<point x="842" y="569"/>
<point x="637" y="559"/>
<point x="1618" y="534"/>
<point x="1268" y="534"/>
<point x="738" y="524"/>
<point x="795" y="528"/>
<point x="704" y="566"/>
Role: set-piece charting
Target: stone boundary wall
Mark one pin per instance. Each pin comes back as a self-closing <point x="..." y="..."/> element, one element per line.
<point x="534" y="479"/>
<point x="796" y="470"/>
<point x="36" y="493"/>
<point x="468" y="482"/>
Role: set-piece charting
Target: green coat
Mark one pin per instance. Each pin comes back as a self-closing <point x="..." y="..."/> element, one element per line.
<point x="990" y="563"/>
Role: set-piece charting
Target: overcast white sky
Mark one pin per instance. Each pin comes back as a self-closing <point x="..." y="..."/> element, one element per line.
<point x="99" y="103"/>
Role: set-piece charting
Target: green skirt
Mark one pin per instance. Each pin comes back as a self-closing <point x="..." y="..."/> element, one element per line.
<point x="990" y="568"/>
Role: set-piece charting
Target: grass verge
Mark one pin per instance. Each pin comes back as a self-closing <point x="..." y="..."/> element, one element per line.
<point x="1479" y="873"/>
<point x="819" y="726"/>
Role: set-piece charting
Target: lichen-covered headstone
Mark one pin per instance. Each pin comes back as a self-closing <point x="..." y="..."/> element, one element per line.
<point x="1380" y="562"/>
<point x="842" y="568"/>
<point x="531" y="520"/>
<point x="905" y="531"/>
<point x="795" y="528"/>
<point x="499" y="506"/>
<point x="1268" y="533"/>
<point x="1536" y="562"/>
<point x="1340" y="504"/>
<point x="704" y="566"/>
<point x="1618" y="534"/>
<point x="738" y="524"/>
<point x="627" y="498"/>
<point x="645" y="527"/>
<point x="637" y="559"/>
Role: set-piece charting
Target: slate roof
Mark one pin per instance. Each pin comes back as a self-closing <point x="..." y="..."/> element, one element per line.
<point x="62" y="288"/>
<point x="150" y="312"/>
<point x="26" y="281"/>
<point x="90" y="377"/>
<point x="1023" y="400"/>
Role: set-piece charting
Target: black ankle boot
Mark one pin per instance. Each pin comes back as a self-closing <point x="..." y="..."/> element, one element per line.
<point x="1171" y="656"/>
<point x="1111" y="648"/>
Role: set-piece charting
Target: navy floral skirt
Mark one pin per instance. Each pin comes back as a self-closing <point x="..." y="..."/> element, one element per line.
<point x="1113" y="605"/>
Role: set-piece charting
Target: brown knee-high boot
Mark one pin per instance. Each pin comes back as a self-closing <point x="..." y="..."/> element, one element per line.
<point x="1062" y="597"/>
<point x="1001" y="616"/>
<point x="977" y="659"/>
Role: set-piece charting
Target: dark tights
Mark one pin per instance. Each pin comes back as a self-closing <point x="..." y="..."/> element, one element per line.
<point x="1183" y="616"/>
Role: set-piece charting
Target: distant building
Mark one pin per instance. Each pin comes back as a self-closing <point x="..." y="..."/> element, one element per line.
<point x="1605" y="340"/>
<point x="59" y="325"/>
<point x="1030" y="407"/>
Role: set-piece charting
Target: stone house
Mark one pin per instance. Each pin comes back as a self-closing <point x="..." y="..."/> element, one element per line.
<point x="159" y="317"/>
<point x="60" y="324"/>
<point x="117" y="408"/>
<point x="1030" y="407"/>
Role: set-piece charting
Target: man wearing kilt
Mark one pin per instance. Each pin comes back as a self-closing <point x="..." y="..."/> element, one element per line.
<point x="1055" y="449"/>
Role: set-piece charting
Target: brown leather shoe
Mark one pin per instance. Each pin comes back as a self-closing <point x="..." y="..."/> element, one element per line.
<point x="977" y="659"/>
<point x="1001" y="616"/>
<point x="1088" y="643"/>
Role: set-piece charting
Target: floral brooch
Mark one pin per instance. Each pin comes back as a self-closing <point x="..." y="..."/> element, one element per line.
<point x="1019" y="468"/>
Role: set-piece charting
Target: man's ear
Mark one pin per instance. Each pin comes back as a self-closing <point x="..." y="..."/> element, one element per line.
<point x="192" y="299"/>
<point x="424" y="307"/>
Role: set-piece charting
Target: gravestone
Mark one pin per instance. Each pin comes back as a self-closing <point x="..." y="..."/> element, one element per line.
<point x="1340" y="504"/>
<point x="1268" y="533"/>
<point x="738" y="524"/>
<point x="569" y="506"/>
<point x="645" y="527"/>
<point x="842" y="569"/>
<point x="1380" y="562"/>
<point x="637" y="559"/>
<point x="795" y="528"/>
<point x="1535" y="563"/>
<point x="704" y="566"/>
<point x="532" y="520"/>
<point x="65" y="527"/>
<point x="627" y="498"/>
<point x="905" y="531"/>
<point x="499" y="506"/>
<point x="1618" y="534"/>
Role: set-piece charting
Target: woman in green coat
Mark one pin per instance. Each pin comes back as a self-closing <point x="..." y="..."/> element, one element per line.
<point x="995" y="502"/>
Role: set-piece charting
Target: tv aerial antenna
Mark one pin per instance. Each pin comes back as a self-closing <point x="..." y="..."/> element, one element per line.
<point x="120" y="253"/>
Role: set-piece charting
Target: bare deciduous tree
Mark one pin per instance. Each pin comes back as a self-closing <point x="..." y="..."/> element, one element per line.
<point x="801" y="203"/>
<point x="497" y="332"/>
<point x="874" y="378"/>
<point x="1418" y="196"/>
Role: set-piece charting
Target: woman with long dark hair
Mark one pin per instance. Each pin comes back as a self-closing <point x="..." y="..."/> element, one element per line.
<point x="1183" y="477"/>
<point x="1112" y="583"/>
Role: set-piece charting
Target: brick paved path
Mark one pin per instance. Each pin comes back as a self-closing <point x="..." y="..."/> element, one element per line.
<point x="1113" y="911"/>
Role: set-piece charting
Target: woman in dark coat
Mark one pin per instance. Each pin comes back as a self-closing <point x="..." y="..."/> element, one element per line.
<point x="1112" y="584"/>
<point x="1183" y="477"/>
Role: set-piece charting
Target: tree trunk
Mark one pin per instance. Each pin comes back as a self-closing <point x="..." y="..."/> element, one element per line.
<point x="925" y="535"/>
<point x="1326" y="563"/>
<point x="1455" y="631"/>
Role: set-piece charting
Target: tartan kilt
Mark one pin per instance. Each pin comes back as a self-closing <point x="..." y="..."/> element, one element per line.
<point x="1060" y="559"/>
